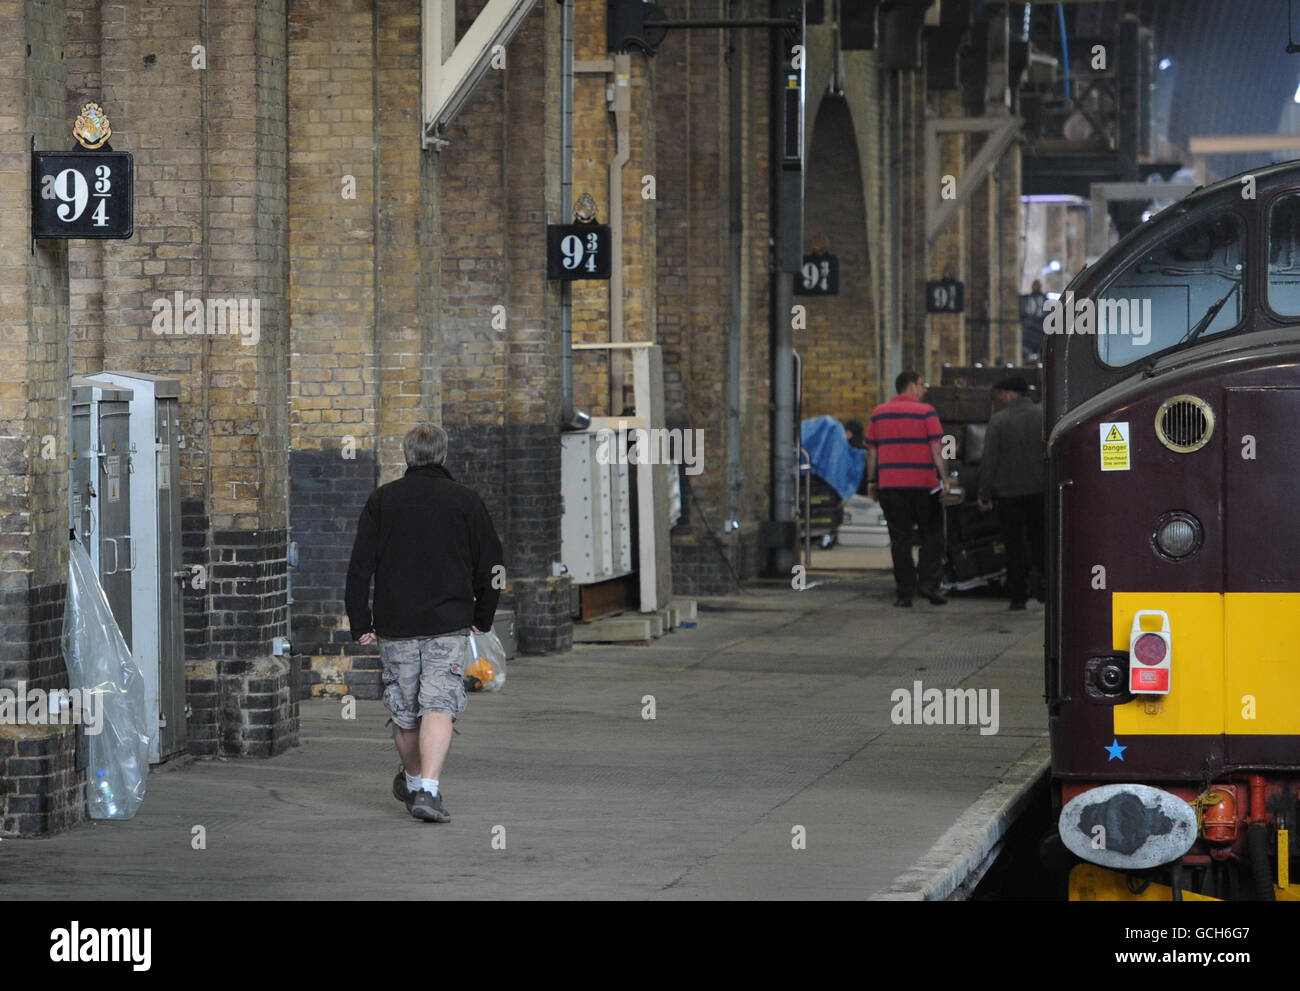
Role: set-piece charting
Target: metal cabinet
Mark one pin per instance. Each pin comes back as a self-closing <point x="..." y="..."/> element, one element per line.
<point x="99" y="493"/>
<point x="157" y="582"/>
<point x="595" y="526"/>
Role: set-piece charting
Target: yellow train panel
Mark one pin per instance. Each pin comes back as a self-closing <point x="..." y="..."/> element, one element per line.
<point x="1262" y="674"/>
<point x="1195" y="703"/>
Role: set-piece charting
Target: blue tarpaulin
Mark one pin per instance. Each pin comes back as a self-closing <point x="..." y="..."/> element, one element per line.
<point x="831" y="456"/>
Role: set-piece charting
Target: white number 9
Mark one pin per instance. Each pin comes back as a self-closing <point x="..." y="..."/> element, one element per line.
<point x="811" y="275"/>
<point x="70" y="187"/>
<point x="571" y="248"/>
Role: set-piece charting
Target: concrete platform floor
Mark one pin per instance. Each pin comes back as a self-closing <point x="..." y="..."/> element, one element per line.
<point x="774" y="713"/>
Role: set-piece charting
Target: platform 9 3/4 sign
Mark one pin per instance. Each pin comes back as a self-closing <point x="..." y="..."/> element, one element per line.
<point x="82" y="194"/>
<point x="819" y="276"/>
<point x="946" y="296"/>
<point x="578" y="251"/>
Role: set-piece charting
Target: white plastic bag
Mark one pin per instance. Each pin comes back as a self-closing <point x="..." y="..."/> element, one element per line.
<point x="100" y="665"/>
<point x="487" y="668"/>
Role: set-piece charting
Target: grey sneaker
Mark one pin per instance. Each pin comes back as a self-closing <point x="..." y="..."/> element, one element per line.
<point x="429" y="807"/>
<point x="400" y="791"/>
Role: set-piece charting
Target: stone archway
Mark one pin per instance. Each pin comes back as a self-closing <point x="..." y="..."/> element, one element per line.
<point x="839" y="342"/>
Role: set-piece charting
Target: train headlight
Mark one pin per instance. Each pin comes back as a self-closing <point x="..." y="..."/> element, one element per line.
<point x="1105" y="679"/>
<point x="1151" y="674"/>
<point x="1177" y="535"/>
<point x="1111" y="677"/>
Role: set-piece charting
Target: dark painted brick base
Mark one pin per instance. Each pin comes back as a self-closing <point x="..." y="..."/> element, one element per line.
<point x="700" y="562"/>
<point x="41" y="790"/>
<point x="476" y="457"/>
<point x="242" y="707"/>
<point x="246" y="592"/>
<point x="195" y="555"/>
<point x="543" y="622"/>
<point x="31" y="629"/>
<point x="326" y="495"/>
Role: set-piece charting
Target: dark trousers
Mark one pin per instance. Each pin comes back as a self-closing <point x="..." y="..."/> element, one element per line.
<point x="1021" y="518"/>
<point x="907" y="510"/>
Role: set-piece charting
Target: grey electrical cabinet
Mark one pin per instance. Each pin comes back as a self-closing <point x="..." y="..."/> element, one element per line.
<point x="157" y="583"/>
<point x="99" y="494"/>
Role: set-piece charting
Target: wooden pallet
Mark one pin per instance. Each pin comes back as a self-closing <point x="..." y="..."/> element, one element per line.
<point x="626" y="628"/>
<point x="630" y="627"/>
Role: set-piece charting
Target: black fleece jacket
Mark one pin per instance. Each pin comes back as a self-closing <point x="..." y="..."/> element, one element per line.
<point x="429" y="544"/>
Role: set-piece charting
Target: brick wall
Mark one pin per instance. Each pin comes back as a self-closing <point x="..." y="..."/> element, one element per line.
<point x="693" y="282"/>
<point x="499" y="182"/>
<point x="335" y="187"/>
<point x="948" y="255"/>
<point x="210" y="220"/>
<point x="39" y="790"/>
<point x="838" y="346"/>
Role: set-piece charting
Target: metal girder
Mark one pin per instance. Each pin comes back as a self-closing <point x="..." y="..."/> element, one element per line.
<point x="1227" y="144"/>
<point x="1001" y="130"/>
<point x="1101" y="193"/>
<point x="449" y="75"/>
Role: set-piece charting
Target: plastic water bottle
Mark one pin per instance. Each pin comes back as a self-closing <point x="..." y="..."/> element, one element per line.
<point x="106" y="794"/>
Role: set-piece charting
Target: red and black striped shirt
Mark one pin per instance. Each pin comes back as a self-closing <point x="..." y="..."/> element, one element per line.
<point x="901" y="432"/>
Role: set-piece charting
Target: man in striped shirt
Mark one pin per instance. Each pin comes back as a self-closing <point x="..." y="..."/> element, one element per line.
<point x="905" y="473"/>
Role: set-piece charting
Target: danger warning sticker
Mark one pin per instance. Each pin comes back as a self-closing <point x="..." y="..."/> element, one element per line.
<point x="1114" y="447"/>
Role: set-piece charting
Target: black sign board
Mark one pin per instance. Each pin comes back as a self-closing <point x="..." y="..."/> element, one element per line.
<point x="82" y="194"/>
<point x="819" y="275"/>
<point x="945" y="297"/>
<point x="578" y="251"/>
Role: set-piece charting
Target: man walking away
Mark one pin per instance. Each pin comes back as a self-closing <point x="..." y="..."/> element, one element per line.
<point x="1013" y="478"/>
<point x="905" y="473"/>
<point x="430" y="546"/>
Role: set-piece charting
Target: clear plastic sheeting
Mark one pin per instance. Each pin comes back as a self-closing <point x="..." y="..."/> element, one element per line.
<point x="487" y="669"/>
<point x="101" y="666"/>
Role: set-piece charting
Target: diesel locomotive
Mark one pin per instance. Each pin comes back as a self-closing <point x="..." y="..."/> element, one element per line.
<point x="1172" y="653"/>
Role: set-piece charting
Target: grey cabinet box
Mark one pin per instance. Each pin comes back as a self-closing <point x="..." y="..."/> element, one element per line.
<point x="158" y="580"/>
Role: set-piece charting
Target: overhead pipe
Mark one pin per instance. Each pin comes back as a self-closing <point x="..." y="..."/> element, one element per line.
<point x="783" y="461"/>
<point x="1065" y="49"/>
<point x="570" y="419"/>
<point x="735" y="81"/>
<point x="621" y="105"/>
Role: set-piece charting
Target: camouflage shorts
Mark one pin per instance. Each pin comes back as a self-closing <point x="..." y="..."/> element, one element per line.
<point x="423" y="675"/>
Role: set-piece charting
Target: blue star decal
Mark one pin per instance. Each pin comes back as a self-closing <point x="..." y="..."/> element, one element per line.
<point x="1115" y="750"/>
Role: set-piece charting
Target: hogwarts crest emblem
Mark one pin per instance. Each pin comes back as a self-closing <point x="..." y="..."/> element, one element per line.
<point x="584" y="211"/>
<point x="91" y="129"/>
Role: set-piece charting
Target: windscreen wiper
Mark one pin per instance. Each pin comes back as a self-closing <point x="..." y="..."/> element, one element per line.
<point x="1208" y="319"/>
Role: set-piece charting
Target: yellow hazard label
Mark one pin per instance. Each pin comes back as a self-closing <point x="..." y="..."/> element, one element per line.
<point x="1115" y="447"/>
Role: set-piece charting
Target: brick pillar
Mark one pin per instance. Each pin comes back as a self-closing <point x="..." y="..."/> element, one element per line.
<point x="210" y="225"/>
<point x="366" y="257"/>
<point x="498" y="185"/>
<point x="40" y="790"/>
<point x="948" y="253"/>
<point x="839" y="360"/>
<point x="532" y="397"/>
<point x="333" y="205"/>
<point x="1007" y="179"/>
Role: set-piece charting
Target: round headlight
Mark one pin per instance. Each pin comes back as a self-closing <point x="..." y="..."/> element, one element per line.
<point x="1177" y="535"/>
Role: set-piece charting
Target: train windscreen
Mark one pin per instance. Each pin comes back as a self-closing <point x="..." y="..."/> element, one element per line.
<point x="1284" y="256"/>
<point x="1186" y="287"/>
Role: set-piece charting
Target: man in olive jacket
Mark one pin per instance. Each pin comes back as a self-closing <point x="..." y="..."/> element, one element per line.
<point x="429" y="544"/>
<point x="1013" y="476"/>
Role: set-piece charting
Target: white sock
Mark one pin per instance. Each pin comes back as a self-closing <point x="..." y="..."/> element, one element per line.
<point x="430" y="785"/>
<point x="412" y="782"/>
